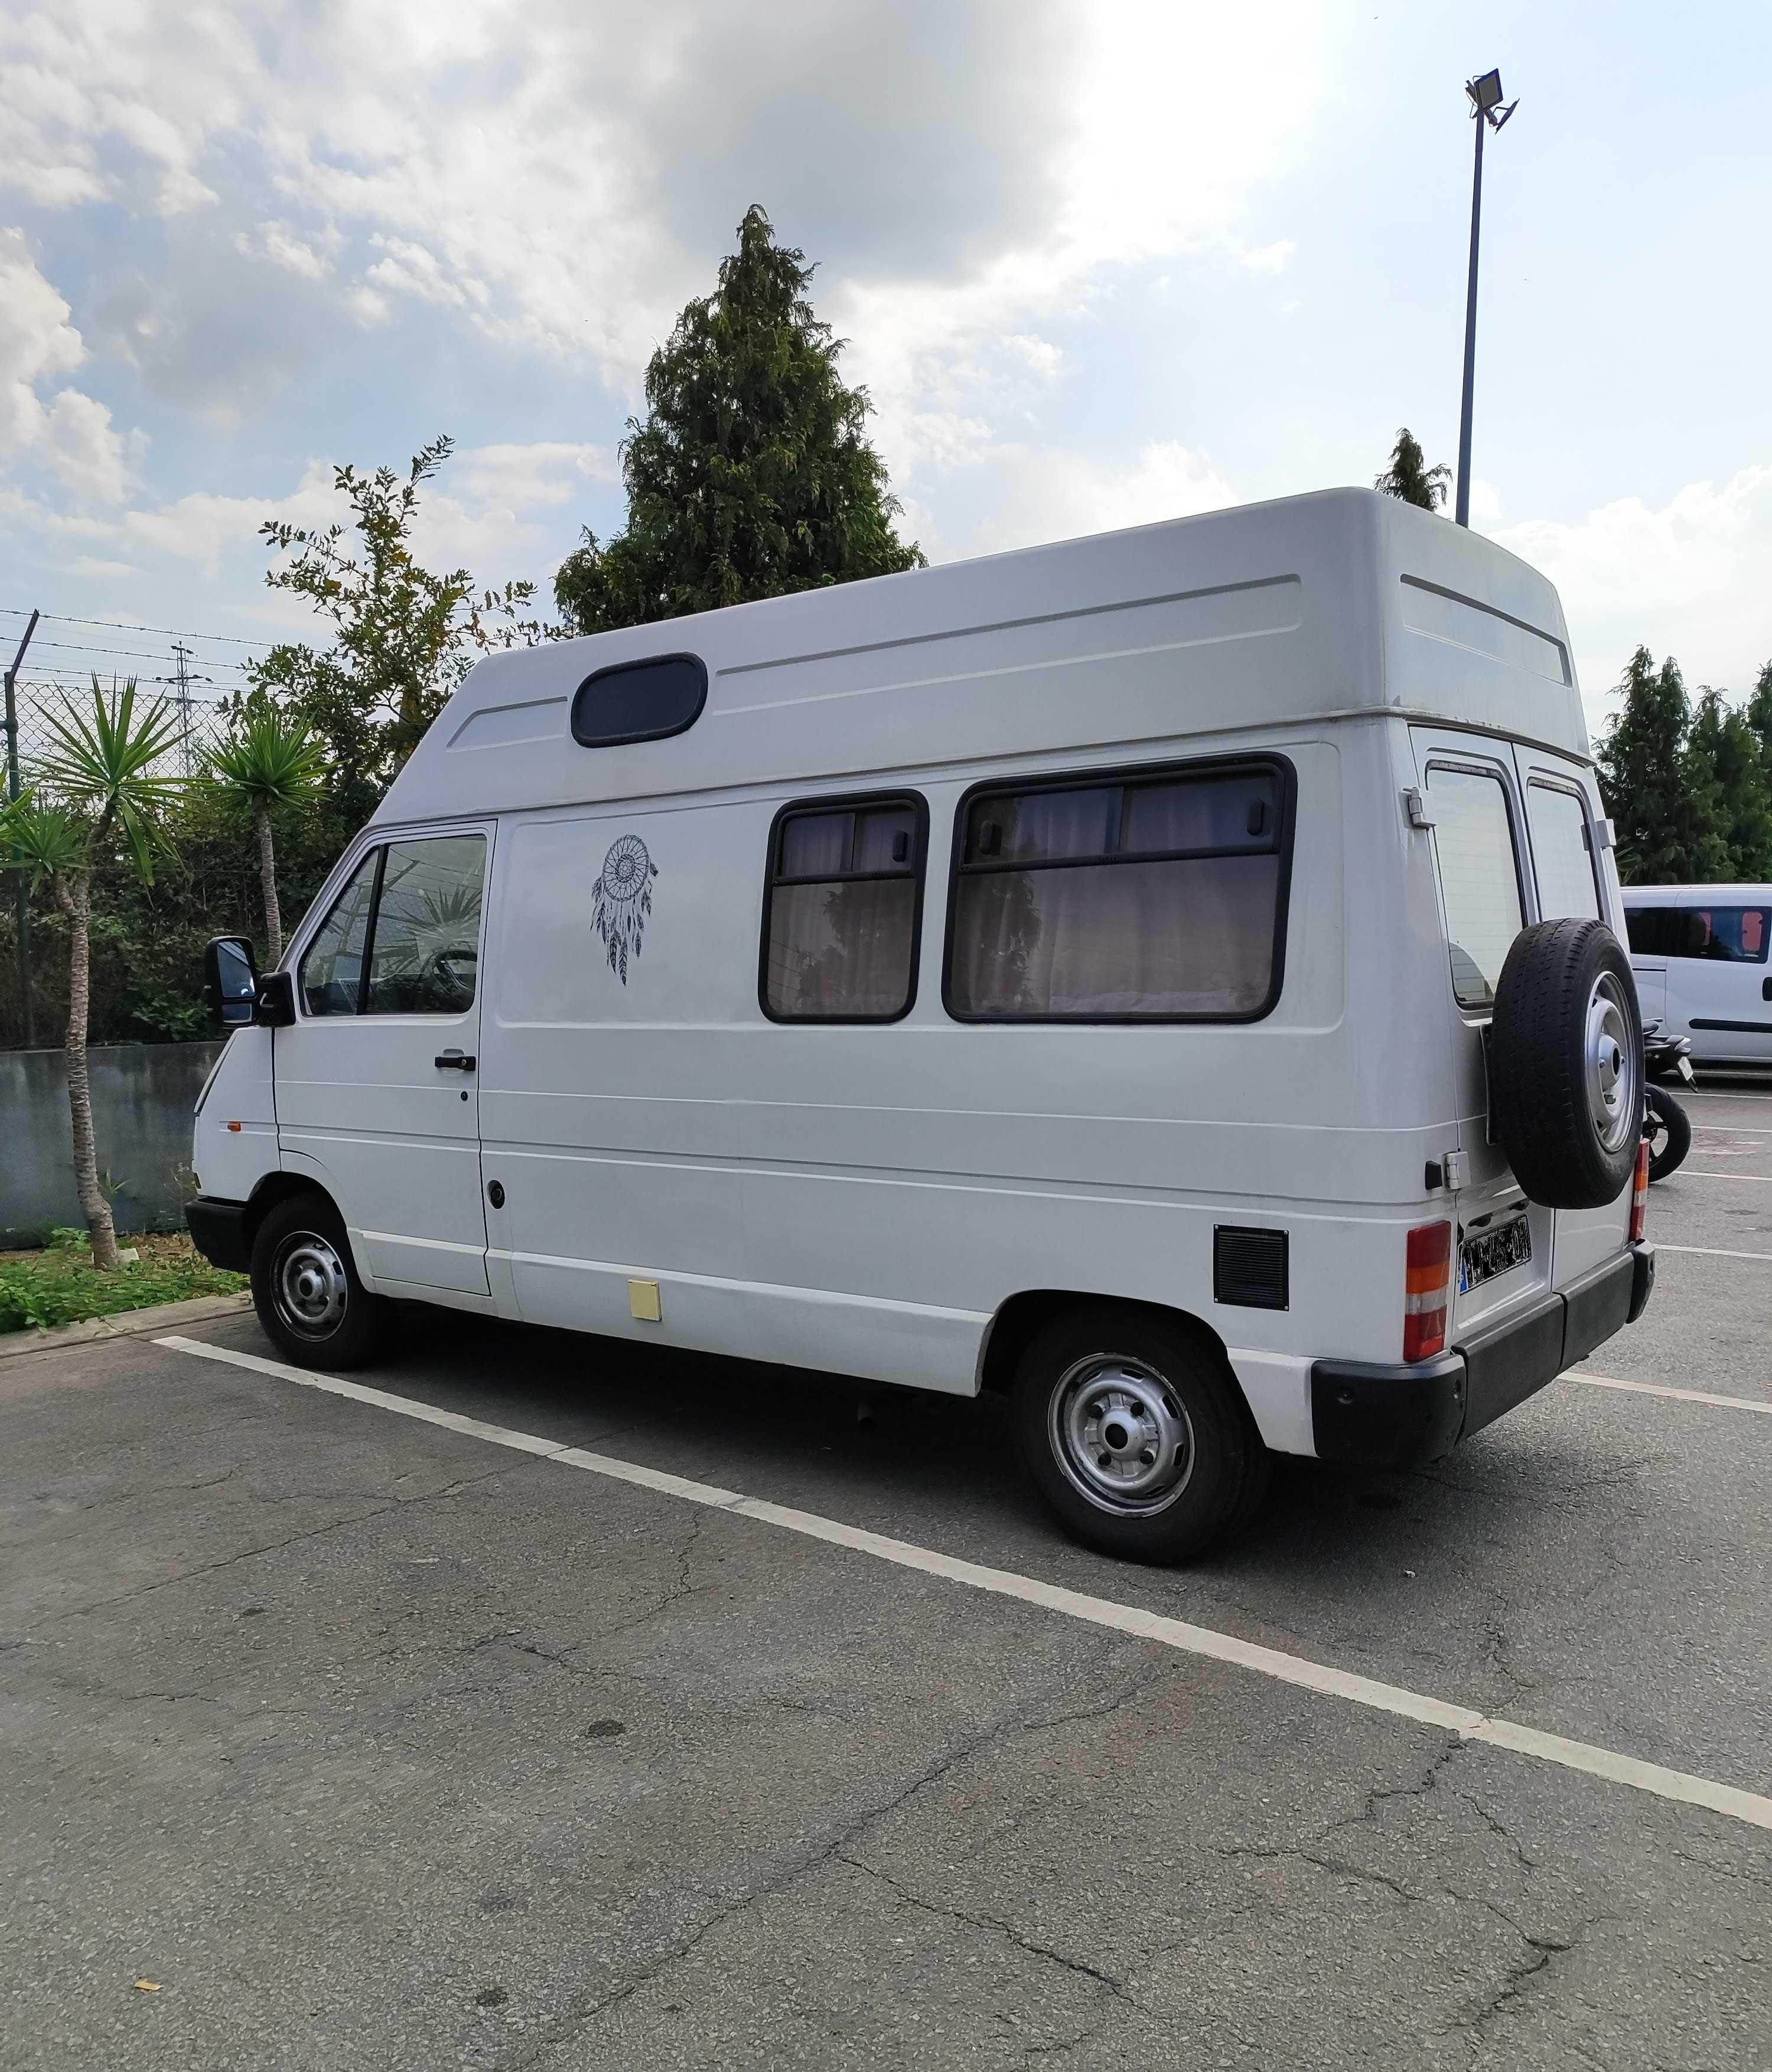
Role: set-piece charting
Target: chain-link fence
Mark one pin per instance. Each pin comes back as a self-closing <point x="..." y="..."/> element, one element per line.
<point x="199" y="724"/>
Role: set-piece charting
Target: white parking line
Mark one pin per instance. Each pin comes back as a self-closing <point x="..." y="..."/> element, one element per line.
<point x="1678" y="1785"/>
<point x="1726" y="1130"/>
<point x="1688" y="1174"/>
<point x="1662" y="1388"/>
<point x="1711" y="1251"/>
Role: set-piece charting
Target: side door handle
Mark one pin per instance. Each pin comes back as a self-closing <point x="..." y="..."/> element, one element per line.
<point x="456" y="1061"/>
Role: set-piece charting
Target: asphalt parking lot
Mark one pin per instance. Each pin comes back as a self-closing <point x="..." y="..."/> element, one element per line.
<point x="339" y="1736"/>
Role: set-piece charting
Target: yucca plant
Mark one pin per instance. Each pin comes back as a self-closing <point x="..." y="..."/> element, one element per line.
<point x="271" y="760"/>
<point x="98" y="780"/>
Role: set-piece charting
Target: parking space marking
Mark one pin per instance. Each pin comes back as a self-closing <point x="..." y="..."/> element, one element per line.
<point x="1728" y="1129"/>
<point x="1664" y="1388"/>
<point x="1685" y="1789"/>
<point x="1711" y="1251"/>
<point x="1690" y="1174"/>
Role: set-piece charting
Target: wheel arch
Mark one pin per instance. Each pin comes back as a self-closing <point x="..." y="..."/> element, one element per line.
<point x="275" y="1187"/>
<point x="1022" y="1317"/>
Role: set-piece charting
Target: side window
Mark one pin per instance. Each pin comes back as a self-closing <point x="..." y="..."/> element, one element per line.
<point x="332" y="964"/>
<point x="1727" y="934"/>
<point x="639" y="701"/>
<point x="1480" y="877"/>
<point x="424" y="952"/>
<point x="1561" y="854"/>
<point x="840" y="926"/>
<point x="1157" y="898"/>
<point x="1655" y="931"/>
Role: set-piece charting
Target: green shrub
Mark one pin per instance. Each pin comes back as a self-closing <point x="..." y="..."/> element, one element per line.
<point x="57" y="1286"/>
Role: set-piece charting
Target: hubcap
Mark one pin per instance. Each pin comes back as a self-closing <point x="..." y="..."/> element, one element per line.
<point x="1614" y="1068"/>
<point x="1121" y="1435"/>
<point x="311" y="1288"/>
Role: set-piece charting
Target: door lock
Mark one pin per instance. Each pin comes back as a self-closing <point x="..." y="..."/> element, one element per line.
<point x="495" y="1193"/>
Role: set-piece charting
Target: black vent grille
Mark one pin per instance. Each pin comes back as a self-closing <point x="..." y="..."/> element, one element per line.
<point x="1249" y="1267"/>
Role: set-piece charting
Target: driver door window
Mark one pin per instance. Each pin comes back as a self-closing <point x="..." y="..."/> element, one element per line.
<point x="424" y="948"/>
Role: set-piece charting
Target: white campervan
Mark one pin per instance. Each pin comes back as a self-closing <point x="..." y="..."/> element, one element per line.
<point x="1700" y="953"/>
<point x="1167" y="977"/>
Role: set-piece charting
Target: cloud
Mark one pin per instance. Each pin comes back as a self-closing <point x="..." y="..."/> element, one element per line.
<point x="1688" y="580"/>
<point x="69" y="432"/>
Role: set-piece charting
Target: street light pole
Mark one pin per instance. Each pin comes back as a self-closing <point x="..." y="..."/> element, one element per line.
<point x="1486" y="106"/>
<point x="22" y="894"/>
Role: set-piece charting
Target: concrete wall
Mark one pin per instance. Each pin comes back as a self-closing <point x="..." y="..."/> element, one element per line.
<point x="143" y="1095"/>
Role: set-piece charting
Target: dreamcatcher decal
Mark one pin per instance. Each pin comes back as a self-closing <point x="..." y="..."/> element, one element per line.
<point x="622" y="901"/>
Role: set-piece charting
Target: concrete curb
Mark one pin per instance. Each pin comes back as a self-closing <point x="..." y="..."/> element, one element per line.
<point x="126" y="1324"/>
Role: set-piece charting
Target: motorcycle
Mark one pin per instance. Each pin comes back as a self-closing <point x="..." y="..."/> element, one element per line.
<point x="1665" y="1123"/>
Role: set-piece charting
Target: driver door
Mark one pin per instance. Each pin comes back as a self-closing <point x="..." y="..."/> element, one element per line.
<point x="377" y="1078"/>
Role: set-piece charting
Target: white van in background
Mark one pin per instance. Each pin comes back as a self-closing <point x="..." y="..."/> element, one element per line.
<point x="1700" y="952"/>
<point x="1168" y="977"/>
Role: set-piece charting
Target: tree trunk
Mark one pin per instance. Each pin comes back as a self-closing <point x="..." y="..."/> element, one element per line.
<point x="267" y="881"/>
<point x="74" y="895"/>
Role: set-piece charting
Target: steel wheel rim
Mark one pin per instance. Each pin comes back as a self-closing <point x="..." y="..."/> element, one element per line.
<point x="1121" y="1435"/>
<point x="1613" y="1067"/>
<point x="309" y="1285"/>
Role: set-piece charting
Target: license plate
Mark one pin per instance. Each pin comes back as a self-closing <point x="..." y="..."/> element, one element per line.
<point x="1494" y="1252"/>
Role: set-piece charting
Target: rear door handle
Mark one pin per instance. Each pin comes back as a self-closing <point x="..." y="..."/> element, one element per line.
<point x="455" y="1061"/>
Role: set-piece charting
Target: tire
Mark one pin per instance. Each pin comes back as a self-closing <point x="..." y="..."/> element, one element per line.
<point x="1565" y="1064"/>
<point x="1178" y="1470"/>
<point x="305" y="1287"/>
<point x="1669" y="1133"/>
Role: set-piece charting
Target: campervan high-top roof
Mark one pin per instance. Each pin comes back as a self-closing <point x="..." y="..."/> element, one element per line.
<point x="1336" y="605"/>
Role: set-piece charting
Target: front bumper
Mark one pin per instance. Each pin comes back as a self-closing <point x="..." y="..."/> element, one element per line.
<point x="218" y="1229"/>
<point x="1394" y="1416"/>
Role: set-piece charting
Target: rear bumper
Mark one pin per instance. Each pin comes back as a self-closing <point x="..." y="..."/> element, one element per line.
<point x="218" y="1229"/>
<point x="1394" y="1416"/>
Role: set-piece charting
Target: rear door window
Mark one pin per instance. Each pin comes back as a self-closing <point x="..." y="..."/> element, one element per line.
<point x="1479" y="876"/>
<point x="1562" y="853"/>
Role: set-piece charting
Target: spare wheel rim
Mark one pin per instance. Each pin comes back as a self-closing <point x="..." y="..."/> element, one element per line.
<point x="1611" y="1065"/>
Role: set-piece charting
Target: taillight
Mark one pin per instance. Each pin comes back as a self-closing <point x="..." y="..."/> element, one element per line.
<point x="1639" y="1196"/>
<point x="1425" y="1296"/>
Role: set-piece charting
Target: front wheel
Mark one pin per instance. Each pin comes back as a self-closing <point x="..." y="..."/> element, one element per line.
<point x="1670" y="1132"/>
<point x="305" y="1287"/>
<point x="1136" y="1434"/>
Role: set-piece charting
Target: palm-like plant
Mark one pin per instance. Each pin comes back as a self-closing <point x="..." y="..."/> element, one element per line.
<point x="271" y="761"/>
<point x="99" y="778"/>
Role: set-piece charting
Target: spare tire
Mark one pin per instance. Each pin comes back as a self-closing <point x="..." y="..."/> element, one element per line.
<point x="1565" y="1064"/>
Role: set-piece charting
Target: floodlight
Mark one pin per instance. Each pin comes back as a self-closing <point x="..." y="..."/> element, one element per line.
<point x="1485" y="92"/>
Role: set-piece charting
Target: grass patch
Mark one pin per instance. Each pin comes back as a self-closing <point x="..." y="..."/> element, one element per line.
<point x="59" y="1285"/>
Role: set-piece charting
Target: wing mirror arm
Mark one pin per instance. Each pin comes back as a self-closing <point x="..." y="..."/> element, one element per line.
<point x="273" y="1003"/>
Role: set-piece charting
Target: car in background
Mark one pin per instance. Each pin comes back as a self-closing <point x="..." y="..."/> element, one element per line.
<point x="1701" y="955"/>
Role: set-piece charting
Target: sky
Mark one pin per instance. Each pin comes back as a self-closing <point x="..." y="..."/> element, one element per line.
<point x="1098" y="262"/>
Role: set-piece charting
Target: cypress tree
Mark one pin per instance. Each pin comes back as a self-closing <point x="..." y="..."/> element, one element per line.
<point x="1730" y="748"/>
<point x="1409" y="479"/>
<point x="750" y="475"/>
<point x="1661" y="788"/>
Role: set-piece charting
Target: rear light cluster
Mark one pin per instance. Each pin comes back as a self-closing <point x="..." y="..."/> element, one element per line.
<point x="1639" y="1195"/>
<point x="1426" y="1292"/>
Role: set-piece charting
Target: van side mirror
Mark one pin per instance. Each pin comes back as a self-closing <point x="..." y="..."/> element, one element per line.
<point x="273" y="1005"/>
<point x="230" y="981"/>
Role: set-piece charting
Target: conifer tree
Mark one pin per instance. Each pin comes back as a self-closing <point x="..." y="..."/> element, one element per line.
<point x="1409" y="479"/>
<point x="1723" y="742"/>
<point x="750" y="475"/>
<point x="1661" y="789"/>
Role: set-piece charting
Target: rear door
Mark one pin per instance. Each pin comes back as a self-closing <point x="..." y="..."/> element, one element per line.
<point x="1570" y="875"/>
<point x="1503" y="1244"/>
<point x="377" y="1078"/>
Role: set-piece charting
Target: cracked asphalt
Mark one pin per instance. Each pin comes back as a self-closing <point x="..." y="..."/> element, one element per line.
<point x="370" y="1745"/>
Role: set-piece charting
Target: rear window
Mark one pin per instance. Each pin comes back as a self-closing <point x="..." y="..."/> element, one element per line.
<point x="1480" y="877"/>
<point x="1562" y="853"/>
<point x="1723" y="934"/>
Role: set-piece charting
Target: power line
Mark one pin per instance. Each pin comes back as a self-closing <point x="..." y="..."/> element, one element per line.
<point x="127" y="626"/>
<point x="135" y="654"/>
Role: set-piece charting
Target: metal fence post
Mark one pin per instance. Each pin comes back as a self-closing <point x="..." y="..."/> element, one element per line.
<point x="21" y="892"/>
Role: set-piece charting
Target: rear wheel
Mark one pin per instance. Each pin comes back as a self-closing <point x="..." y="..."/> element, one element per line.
<point x="305" y="1290"/>
<point x="1135" y="1433"/>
